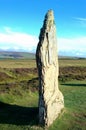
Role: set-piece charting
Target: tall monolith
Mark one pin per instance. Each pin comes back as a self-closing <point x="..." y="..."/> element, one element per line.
<point x="51" y="100"/>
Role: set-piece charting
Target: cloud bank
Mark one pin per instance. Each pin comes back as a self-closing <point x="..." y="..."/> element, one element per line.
<point x="16" y="41"/>
<point x="72" y="46"/>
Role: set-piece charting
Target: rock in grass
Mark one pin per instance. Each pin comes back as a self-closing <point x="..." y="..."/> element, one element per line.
<point x="51" y="100"/>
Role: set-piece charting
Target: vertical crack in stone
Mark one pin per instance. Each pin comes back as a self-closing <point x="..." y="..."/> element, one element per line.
<point x="51" y="100"/>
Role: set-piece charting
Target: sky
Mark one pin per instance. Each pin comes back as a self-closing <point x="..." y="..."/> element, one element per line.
<point x="21" y="20"/>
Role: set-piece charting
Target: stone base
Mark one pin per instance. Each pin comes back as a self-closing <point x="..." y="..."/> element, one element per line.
<point x="52" y="110"/>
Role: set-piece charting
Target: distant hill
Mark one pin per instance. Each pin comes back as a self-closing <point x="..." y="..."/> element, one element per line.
<point x="16" y="55"/>
<point x="27" y="55"/>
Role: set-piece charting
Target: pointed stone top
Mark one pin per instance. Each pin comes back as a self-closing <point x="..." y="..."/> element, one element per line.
<point x="49" y="20"/>
<point x="50" y="14"/>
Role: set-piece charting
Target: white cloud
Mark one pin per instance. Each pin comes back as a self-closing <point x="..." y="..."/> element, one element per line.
<point x="25" y="42"/>
<point x="17" y="40"/>
<point x="74" y="44"/>
<point x="81" y="21"/>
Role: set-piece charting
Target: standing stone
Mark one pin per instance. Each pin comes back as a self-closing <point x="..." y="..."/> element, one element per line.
<point x="51" y="100"/>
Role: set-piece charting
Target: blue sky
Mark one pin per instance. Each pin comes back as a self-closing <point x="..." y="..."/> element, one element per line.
<point x="21" y="20"/>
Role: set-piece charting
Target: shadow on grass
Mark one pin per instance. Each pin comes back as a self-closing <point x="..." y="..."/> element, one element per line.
<point x="73" y="85"/>
<point x="18" y="115"/>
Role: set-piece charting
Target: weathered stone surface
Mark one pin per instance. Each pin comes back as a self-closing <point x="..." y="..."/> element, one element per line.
<point x="51" y="100"/>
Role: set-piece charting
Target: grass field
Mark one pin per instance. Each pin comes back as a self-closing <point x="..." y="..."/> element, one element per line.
<point x="17" y="63"/>
<point x="72" y="62"/>
<point x="28" y="63"/>
<point x="19" y="95"/>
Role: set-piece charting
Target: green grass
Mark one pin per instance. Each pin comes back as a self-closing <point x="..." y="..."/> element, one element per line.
<point x="74" y="114"/>
<point x="18" y="110"/>
<point x="19" y="96"/>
